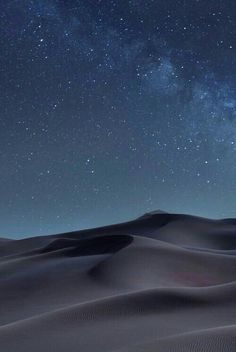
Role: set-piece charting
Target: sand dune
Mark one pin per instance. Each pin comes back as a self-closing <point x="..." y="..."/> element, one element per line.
<point x="163" y="282"/>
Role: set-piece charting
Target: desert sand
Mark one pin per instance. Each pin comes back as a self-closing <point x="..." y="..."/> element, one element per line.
<point x="161" y="283"/>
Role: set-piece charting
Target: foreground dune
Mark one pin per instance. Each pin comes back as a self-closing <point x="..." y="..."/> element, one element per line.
<point x="162" y="283"/>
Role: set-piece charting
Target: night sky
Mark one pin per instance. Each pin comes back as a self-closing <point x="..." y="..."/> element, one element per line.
<point x="110" y="109"/>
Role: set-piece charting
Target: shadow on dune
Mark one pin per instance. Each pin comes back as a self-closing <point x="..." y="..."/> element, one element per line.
<point x="87" y="247"/>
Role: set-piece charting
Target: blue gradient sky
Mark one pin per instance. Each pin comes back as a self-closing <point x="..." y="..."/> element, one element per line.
<point x="110" y="109"/>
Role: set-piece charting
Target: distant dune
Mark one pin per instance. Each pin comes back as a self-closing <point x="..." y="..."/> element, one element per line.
<point x="161" y="283"/>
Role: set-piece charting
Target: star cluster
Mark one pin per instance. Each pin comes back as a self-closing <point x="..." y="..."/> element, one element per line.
<point x="110" y="109"/>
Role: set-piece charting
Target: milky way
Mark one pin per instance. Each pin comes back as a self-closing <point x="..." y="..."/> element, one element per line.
<point x="110" y="109"/>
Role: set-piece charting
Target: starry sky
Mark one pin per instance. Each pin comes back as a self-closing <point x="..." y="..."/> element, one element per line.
<point x="110" y="109"/>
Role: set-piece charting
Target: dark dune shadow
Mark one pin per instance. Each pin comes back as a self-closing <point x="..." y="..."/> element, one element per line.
<point x="87" y="247"/>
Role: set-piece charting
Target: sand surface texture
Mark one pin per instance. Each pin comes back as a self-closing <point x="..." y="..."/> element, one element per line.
<point x="161" y="283"/>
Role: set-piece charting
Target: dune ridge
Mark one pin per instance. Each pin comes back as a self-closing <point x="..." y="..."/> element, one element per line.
<point x="163" y="282"/>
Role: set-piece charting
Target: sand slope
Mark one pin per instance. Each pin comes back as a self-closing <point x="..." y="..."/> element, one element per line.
<point x="164" y="282"/>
